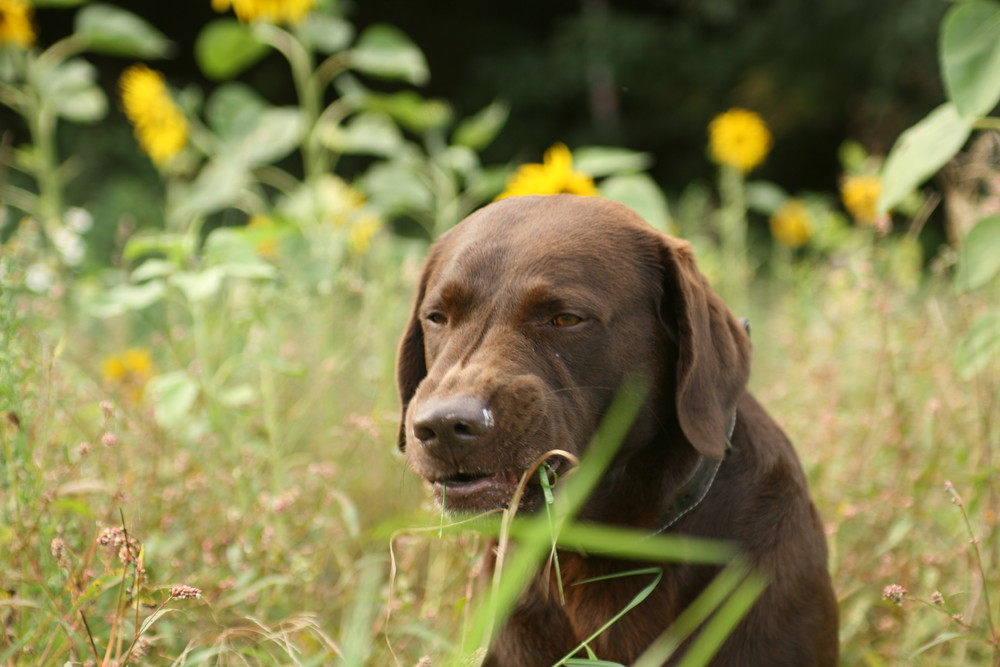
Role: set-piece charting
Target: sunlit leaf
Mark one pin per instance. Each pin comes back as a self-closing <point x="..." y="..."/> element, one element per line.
<point x="598" y="161"/>
<point x="115" y="31"/>
<point x="970" y="56"/>
<point x="386" y="52"/>
<point x="478" y="131"/>
<point x="979" y="260"/>
<point x="226" y="47"/>
<point x="172" y="395"/>
<point x="326" y="32"/>
<point x="640" y="193"/>
<point x="921" y="151"/>
<point x="981" y="346"/>
<point x="70" y="88"/>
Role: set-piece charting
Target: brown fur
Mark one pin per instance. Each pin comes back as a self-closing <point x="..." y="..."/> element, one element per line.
<point x="489" y="383"/>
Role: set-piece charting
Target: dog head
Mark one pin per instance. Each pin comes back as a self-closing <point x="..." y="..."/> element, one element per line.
<point x="530" y="314"/>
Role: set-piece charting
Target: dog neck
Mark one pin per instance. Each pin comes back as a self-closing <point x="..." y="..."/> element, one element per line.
<point x="697" y="486"/>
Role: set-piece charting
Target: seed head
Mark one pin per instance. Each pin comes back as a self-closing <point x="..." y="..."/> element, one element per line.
<point x="894" y="592"/>
<point x="937" y="598"/>
<point x="185" y="592"/>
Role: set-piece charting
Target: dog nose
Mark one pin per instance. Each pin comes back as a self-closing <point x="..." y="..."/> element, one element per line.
<point x="453" y="423"/>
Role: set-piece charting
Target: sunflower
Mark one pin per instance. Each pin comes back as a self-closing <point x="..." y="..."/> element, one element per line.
<point x="860" y="196"/>
<point x="739" y="138"/>
<point x="159" y="123"/>
<point x="15" y="23"/>
<point x="129" y="372"/>
<point x="554" y="176"/>
<point x="791" y="224"/>
<point x="275" y="11"/>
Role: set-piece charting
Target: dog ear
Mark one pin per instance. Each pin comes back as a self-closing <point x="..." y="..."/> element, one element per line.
<point x="411" y="364"/>
<point x="713" y="358"/>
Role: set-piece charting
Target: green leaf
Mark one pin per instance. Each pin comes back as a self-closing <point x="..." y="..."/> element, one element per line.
<point x="173" y="395"/>
<point x="386" y="52"/>
<point x="233" y="110"/>
<point x="921" y="151"/>
<point x="979" y="259"/>
<point x="226" y="47"/>
<point x="327" y="33"/>
<point x="410" y="109"/>
<point x="478" y="131"/>
<point x="198" y="285"/>
<point x="70" y="89"/>
<point x="970" y="56"/>
<point x="981" y="347"/>
<point x="765" y="197"/>
<point x="276" y="133"/>
<point x="234" y="255"/>
<point x="153" y="268"/>
<point x="601" y="161"/>
<point x="365" y="134"/>
<point x="123" y="298"/>
<point x="219" y="184"/>
<point x="178" y="248"/>
<point x="115" y="31"/>
<point x="641" y="193"/>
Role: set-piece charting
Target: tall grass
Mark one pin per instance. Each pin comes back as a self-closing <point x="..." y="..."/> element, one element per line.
<point x="280" y="495"/>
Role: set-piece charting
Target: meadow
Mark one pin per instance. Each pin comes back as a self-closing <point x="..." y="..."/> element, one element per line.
<point x="198" y="459"/>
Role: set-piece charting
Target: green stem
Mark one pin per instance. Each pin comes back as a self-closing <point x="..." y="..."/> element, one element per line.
<point x="300" y="61"/>
<point x="733" y="235"/>
<point x="41" y="126"/>
<point x="987" y="123"/>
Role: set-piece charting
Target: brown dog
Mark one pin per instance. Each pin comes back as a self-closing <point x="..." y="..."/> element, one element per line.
<point x="529" y="316"/>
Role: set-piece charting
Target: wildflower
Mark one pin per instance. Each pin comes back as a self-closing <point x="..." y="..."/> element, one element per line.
<point x="276" y="11"/>
<point x="554" y="176"/>
<point x="83" y="448"/>
<point x="108" y="408"/>
<point x="791" y="224"/>
<point x="160" y="126"/>
<point x="739" y="138"/>
<point x="15" y="23"/>
<point x="116" y="541"/>
<point x="860" y="196"/>
<point x="362" y="231"/>
<point x="185" y="592"/>
<point x="109" y="440"/>
<point x="894" y="592"/>
<point x="130" y="371"/>
<point x="937" y="598"/>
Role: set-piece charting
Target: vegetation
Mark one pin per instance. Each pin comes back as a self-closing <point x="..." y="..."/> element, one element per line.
<point x="197" y="447"/>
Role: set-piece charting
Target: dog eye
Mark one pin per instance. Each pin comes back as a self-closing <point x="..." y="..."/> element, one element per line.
<point x="564" y="320"/>
<point x="437" y="318"/>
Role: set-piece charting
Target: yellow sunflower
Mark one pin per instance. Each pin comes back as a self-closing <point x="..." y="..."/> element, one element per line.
<point x="554" y="176"/>
<point x="160" y="126"/>
<point x="275" y="11"/>
<point x="129" y="372"/>
<point x="860" y="196"/>
<point x="15" y="23"/>
<point x="739" y="138"/>
<point x="791" y="224"/>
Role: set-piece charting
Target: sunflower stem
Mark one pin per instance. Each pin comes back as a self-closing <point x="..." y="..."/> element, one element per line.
<point x="733" y="236"/>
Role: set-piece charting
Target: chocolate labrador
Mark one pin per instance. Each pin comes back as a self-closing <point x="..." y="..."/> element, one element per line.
<point x="530" y="315"/>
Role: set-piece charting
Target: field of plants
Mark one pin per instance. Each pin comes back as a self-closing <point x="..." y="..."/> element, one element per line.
<point x="198" y="413"/>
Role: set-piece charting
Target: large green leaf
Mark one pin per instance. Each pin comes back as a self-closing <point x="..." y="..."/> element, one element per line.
<point x="981" y="347"/>
<point x="70" y="89"/>
<point x="233" y="110"/>
<point x="599" y="161"/>
<point x="386" y="52"/>
<point x="326" y="32"/>
<point x="970" y="56"/>
<point x="276" y="133"/>
<point x="115" y="31"/>
<point x="219" y="184"/>
<point x="979" y="260"/>
<point x="173" y="395"/>
<point x="641" y="193"/>
<point x="365" y="134"/>
<point x="226" y="47"/>
<point x="478" y="131"/>
<point x="921" y="151"/>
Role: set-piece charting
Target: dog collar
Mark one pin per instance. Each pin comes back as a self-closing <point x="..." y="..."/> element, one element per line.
<point x="697" y="486"/>
<point x="700" y="482"/>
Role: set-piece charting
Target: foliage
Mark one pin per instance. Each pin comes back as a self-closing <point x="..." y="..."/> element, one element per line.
<point x="196" y="447"/>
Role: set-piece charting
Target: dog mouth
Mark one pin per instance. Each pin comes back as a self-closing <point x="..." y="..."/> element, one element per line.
<point x="485" y="490"/>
